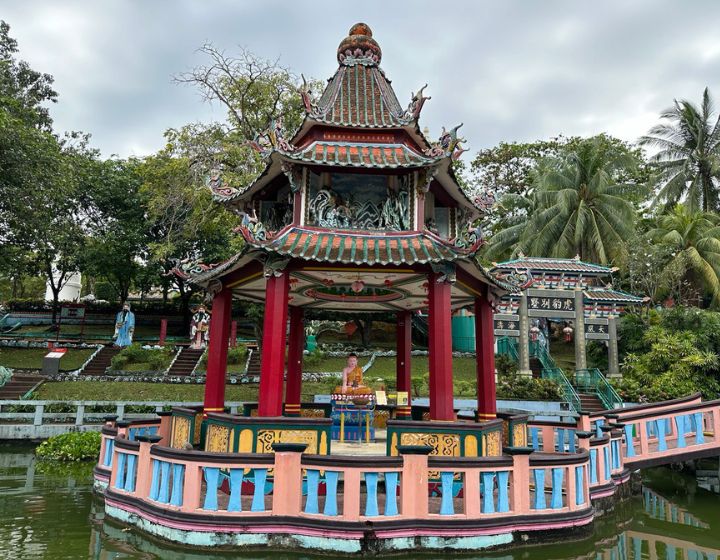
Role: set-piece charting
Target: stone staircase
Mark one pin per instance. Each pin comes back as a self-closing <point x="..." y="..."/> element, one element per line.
<point x="19" y="385"/>
<point x="101" y="361"/>
<point x="185" y="363"/>
<point x="590" y="403"/>
<point x="254" y="364"/>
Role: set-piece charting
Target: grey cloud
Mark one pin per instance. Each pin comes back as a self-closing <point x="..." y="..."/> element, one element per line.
<point x="508" y="70"/>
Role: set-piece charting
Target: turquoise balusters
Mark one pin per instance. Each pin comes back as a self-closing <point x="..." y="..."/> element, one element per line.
<point x="371" y="503"/>
<point x="535" y="436"/>
<point x="236" y="479"/>
<point x="331" y="480"/>
<point x="391" y="486"/>
<point x="560" y="445"/>
<point x="155" y="481"/>
<point x="212" y="475"/>
<point x="488" y="495"/>
<point x="178" y="482"/>
<point x="164" y="496"/>
<point x="680" y="425"/>
<point x="556" y="501"/>
<point x="660" y="425"/>
<point x="313" y="482"/>
<point x="120" y="477"/>
<point x="130" y="476"/>
<point x="629" y="440"/>
<point x="571" y="441"/>
<point x="637" y="548"/>
<point x="593" y="466"/>
<point x="699" y="427"/>
<point x="109" y="447"/>
<point x="579" y="485"/>
<point x="539" y="477"/>
<point x="446" y="503"/>
<point x="670" y="552"/>
<point x="598" y="432"/>
<point x="606" y="455"/>
<point x="503" y="494"/>
<point x="258" y="501"/>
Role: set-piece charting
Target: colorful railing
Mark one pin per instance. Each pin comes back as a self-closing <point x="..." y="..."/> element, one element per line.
<point x="594" y="382"/>
<point x="333" y="499"/>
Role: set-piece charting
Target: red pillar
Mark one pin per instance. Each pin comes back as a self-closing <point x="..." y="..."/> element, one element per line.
<point x="402" y="361"/>
<point x="163" y="331"/>
<point x="440" y="350"/>
<point x="273" y="348"/>
<point x="233" y="334"/>
<point x="217" y="351"/>
<point x="294" y="367"/>
<point x="485" y="357"/>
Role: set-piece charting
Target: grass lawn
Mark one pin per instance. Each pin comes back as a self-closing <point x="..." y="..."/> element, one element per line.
<point x="31" y="358"/>
<point x="384" y="369"/>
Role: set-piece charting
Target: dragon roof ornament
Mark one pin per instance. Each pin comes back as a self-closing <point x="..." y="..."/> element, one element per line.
<point x="448" y="145"/>
<point x="271" y="139"/>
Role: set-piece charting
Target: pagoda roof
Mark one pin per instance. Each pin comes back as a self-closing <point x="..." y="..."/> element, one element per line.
<point x="359" y="95"/>
<point x="350" y="154"/>
<point x="612" y="295"/>
<point x="353" y="247"/>
<point x="543" y="264"/>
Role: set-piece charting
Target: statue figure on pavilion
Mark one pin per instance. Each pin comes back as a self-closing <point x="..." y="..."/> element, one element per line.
<point x="352" y="379"/>
<point x="124" y="326"/>
<point x="200" y="329"/>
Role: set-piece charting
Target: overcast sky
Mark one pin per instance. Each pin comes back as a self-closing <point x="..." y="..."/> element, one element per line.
<point x="510" y="70"/>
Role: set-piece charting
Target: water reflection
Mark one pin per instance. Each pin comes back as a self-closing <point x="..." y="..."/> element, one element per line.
<point x="49" y="511"/>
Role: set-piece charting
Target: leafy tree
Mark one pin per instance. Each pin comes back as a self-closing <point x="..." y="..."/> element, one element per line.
<point x="688" y="163"/>
<point x="579" y="207"/>
<point x="694" y="238"/>
<point x="114" y="217"/>
<point x="23" y="91"/>
<point x="673" y="366"/>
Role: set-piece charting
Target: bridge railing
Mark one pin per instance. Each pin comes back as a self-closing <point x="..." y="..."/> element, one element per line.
<point x="658" y="436"/>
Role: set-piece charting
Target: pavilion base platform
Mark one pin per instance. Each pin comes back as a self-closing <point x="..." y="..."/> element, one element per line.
<point x="288" y="498"/>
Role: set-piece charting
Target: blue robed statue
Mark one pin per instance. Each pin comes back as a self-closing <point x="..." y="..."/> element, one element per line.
<point x="124" y="326"/>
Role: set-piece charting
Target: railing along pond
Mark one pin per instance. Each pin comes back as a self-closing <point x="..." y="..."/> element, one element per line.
<point x="548" y="485"/>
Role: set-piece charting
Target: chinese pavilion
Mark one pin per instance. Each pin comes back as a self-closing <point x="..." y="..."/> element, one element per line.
<point x="569" y="290"/>
<point x="355" y="211"/>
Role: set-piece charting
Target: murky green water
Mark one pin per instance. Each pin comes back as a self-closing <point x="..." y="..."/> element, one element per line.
<point x="50" y="512"/>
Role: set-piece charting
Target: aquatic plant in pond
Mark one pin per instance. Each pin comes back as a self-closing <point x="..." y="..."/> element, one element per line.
<point x="74" y="446"/>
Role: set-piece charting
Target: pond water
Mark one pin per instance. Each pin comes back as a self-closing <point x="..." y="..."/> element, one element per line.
<point x="49" y="511"/>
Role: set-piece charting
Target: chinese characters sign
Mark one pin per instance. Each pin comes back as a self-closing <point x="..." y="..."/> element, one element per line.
<point x="596" y="329"/>
<point x="506" y="324"/>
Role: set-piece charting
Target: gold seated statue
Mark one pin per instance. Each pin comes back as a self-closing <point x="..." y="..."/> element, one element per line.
<point x="352" y="380"/>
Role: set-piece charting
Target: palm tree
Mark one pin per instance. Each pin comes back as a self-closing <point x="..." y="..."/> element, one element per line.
<point x="694" y="238"/>
<point x="578" y="208"/>
<point x="688" y="163"/>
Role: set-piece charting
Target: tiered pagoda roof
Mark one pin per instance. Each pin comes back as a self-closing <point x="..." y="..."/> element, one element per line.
<point x="554" y="265"/>
<point x="356" y="127"/>
<point x="361" y="247"/>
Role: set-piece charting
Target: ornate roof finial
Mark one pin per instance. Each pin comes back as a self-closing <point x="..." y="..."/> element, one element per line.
<point x="359" y="47"/>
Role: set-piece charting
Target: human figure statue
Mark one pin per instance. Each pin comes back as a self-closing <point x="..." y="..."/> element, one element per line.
<point x="124" y="326"/>
<point x="352" y="378"/>
<point x="199" y="328"/>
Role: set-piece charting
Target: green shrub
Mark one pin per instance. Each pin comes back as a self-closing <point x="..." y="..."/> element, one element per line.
<point x="156" y="359"/>
<point x="75" y="446"/>
<point x="520" y="387"/>
<point x="236" y="355"/>
<point x="505" y="365"/>
<point x="313" y="359"/>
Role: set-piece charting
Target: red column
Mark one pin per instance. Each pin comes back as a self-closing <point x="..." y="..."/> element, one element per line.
<point x="296" y="346"/>
<point x="440" y="350"/>
<point x="163" y="331"/>
<point x="233" y="334"/>
<point x="272" y="368"/>
<point x="217" y="351"/>
<point x="402" y="361"/>
<point x="485" y="357"/>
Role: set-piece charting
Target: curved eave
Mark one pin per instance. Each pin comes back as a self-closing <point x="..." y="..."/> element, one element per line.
<point x="360" y="248"/>
<point x="446" y="178"/>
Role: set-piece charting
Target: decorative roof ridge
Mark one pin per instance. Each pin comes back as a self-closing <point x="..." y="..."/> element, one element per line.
<point x="590" y="289"/>
<point x="524" y="259"/>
